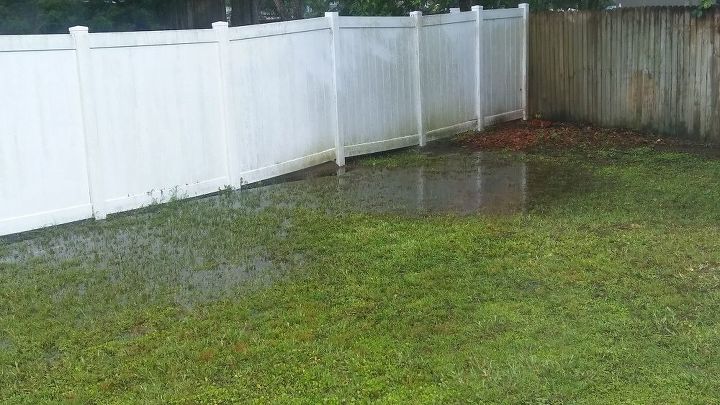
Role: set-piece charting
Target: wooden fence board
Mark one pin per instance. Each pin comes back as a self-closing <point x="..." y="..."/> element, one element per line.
<point x="652" y="69"/>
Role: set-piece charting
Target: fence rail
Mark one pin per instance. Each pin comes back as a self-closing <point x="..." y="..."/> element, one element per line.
<point x="93" y="124"/>
<point x="655" y="69"/>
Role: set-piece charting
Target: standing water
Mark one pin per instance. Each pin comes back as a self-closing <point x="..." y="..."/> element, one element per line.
<point x="209" y="248"/>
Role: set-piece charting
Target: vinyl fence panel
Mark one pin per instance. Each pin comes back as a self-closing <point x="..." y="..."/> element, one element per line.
<point x="282" y="82"/>
<point x="94" y="124"/>
<point x="376" y="84"/>
<point x="503" y="68"/>
<point x="158" y="102"/>
<point x="449" y="71"/>
<point x="43" y="173"/>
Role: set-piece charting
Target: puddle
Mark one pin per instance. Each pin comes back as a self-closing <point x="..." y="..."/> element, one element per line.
<point x="188" y="286"/>
<point x="442" y="178"/>
<point x="460" y="187"/>
<point x="193" y="251"/>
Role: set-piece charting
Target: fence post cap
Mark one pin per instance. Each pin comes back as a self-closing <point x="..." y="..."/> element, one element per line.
<point x="523" y="5"/>
<point x="476" y="8"/>
<point x="454" y="10"/>
<point x="332" y="14"/>
<point x="78" y="29"/>
<point x="416" y="13"/>
<point x="220" y="24"/>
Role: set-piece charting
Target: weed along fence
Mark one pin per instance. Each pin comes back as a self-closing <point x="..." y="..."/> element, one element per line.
<point x="93" y="124"/>
<point x="655" y="69"/>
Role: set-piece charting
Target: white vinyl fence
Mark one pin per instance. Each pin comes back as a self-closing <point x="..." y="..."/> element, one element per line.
<point x="93" y="124"/>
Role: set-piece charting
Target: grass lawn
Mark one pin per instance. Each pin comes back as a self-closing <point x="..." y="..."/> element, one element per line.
<point x="605" y="288"/>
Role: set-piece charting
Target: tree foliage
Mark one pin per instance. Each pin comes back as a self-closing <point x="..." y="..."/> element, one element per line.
<point x="55" y="16"/>
<point x="403" y="7"/>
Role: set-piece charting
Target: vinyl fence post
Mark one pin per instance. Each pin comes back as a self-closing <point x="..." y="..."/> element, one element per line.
<point x="417" y="18"/>
<point x="223" y="40"/>
<point x="454" y="10"/>
<point x="91" y="136"/>
<point x="525" y="60"/>
<point x="479" y="85"/>
<point x="333" y="19"/>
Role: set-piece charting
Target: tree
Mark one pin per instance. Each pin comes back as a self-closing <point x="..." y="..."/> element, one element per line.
<point x="401" y="7"/>
<point x="246" y="12"/>
<point x="55" y="16"/>
<point x="193" y="13"/>
<point x="243" y="12"/>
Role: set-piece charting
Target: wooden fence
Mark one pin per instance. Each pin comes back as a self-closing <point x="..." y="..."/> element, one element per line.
<point x="654" y="69"/>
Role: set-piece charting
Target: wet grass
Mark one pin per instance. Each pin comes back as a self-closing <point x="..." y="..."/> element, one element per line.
<point x="603" y="289"/>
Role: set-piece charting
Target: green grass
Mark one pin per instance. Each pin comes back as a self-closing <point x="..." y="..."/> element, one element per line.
<point x="606" y="290"/>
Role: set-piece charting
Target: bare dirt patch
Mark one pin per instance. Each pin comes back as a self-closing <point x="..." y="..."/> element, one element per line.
<point x="540" y="134"/>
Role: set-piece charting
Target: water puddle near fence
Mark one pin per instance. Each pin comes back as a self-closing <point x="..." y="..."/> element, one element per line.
<point x="206" y="249"/>
<point x="461" y="186"/>
<point x="443" y="179"/>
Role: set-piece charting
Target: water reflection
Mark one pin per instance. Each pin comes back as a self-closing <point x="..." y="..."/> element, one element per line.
<point x="462" y="186"/>
<point x="194" y="251"/>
